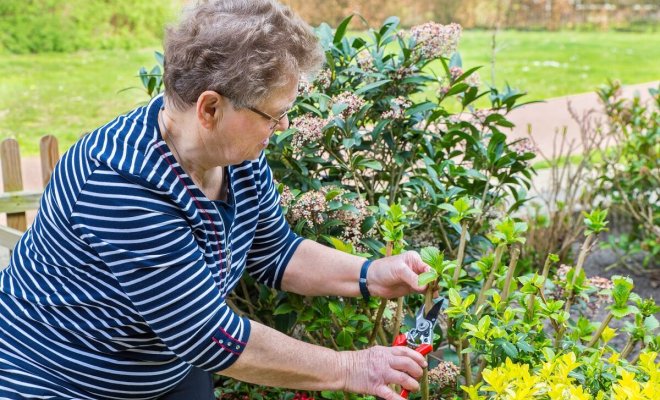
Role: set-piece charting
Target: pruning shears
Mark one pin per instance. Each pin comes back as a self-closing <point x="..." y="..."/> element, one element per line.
<point x="420" y="338"/>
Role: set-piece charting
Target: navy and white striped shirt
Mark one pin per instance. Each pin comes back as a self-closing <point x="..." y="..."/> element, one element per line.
<point x="119" y="286"/>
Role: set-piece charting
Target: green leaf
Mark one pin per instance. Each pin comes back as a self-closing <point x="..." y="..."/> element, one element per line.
<point x="371" y="164"/>
<point x="651" y="323"/>
<point x="525" y="347"/>
<point x="341" y="30"/>
<point x="283" y="309"/>
<point x="456" y="60"/>
<point x="509" y="349"/>
<point x="430" y="255"/>
<point x="458" y="88"/>
<point x="371" y="86"/>
<point x="448" y="207"/>
<point x="427" y="277"/>
<point x="334" y="308"/>
<point x="454" y="297"/>
<point x="621" y="312"/>
<point x="468" y="300"/>
<point x="345" y="338"/>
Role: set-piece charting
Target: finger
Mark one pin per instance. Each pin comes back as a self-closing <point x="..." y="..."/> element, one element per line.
<point x="384" y="392"/>
<point x="410" y="353"/>
<point x="407" y="365"/>
<point x="404" y="380"/>
<point x="414" y="261"/>
<point x="412" y="279"/>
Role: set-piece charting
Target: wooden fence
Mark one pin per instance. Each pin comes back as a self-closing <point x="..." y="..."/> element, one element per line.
<point x="14" y="200"/>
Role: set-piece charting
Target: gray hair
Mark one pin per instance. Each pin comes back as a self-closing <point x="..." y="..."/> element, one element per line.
<point x="242" y="49"/>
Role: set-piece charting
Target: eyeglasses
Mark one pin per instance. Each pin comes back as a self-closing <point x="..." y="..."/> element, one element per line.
<point x="275" y="121"/>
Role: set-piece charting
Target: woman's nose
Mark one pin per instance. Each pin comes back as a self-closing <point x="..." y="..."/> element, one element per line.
<point x="284" y="123"/>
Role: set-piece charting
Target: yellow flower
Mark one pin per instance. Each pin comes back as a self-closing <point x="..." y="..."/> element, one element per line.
<point x="497" y="381"/>
<point x="647" y="364"/>
<point x="473" y="391"/>
<point x="627" y="388"/>
<point x="558" y="392"/>
<point x="614" y="358"/>
<point x="567" y="363"/>
<point x="577" y="393"/>
<point x="608" y="334"/>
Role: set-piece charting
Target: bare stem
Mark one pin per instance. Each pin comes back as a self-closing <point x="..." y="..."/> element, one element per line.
<point x="461" y="252"/>
<point x="601" y="328"/>
<point x="491" y="277"/>
<point x="398" y="317"/>
<point x="509" y="273"/>
<point x="630" y="346"/>
<point x="468" y="369"/>
<point x="584" y="250"/>
<point x="578" y="268"/>
<point x="377" y="321"/>
<point x="424" y="384"/>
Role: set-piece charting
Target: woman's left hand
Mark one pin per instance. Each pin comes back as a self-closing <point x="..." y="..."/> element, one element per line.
<point x="396" y="276"/>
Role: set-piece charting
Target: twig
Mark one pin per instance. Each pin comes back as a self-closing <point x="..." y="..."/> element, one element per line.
<point x="509" y="273"/>
<point x="461" y="252"/>
<point x="491" y="277"/>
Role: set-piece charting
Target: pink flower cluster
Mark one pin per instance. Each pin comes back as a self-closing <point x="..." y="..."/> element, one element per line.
<point x="398" y="110"/>
<point x="473" y="80"/>
<point x="305" y="87"/>
<point x="353" y="101"/>
<point x="403" y="72"/>
<point x="312" y="207"/>
<point x="437" y="40"/>
<point x="445" y="374"/>
<point x="525" y="146"/>
<point x="352" y="220"/>
<point x="308" y="129"/>
<point x="455" y="73"/>
<point x="309" y="207"/>
<point x="323" y="79"/>
<point x="365" y="61"/>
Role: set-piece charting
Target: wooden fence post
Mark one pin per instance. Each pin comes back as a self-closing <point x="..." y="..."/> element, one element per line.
<point x="49" y="156"/>
<point x="12" y="179"/>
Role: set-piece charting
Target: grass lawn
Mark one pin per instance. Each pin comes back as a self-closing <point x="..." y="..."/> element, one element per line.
<point x="66" y="95"/>
<point x="553" y="64"/>
<point x="70" y="94"/>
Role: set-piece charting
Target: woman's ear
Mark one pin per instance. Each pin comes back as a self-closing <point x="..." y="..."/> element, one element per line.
<point x="210" y="108"/>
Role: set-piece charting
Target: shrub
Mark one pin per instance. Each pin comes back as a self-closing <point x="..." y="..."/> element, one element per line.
<point x="628" y="174"/>
<point x="368" y="149"/>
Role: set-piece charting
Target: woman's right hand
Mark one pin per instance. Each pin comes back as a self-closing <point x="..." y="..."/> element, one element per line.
<point x="370" y="371"/>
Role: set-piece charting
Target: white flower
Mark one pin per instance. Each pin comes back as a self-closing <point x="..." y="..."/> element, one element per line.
<point x="437" y="40"/>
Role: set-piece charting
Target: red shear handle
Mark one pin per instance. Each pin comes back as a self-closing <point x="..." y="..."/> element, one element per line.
<point x="400" y="340"/>
<point x="422" y="349"/>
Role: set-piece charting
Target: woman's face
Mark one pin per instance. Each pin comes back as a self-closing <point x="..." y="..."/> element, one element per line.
<point x="243" y="134"/>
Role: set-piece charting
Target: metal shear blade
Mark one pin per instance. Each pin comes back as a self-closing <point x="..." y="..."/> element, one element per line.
<point x="425" y="323"/>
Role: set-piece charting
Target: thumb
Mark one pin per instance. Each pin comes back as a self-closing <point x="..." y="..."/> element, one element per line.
<point x="412" y="279"/>
<point x="414" y="262"/>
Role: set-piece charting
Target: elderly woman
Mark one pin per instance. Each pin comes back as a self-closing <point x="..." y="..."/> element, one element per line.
<point x="118" y="289"/>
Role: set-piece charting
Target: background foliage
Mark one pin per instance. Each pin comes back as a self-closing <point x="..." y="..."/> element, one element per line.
<point x="32" y="26"/>
<point x="519" y="14"/>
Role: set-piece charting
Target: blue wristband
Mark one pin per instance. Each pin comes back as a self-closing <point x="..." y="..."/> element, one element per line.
<point x="363" y="280"/>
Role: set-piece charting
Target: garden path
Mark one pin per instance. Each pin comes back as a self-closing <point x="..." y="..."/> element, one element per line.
<point x="549" y="117"/>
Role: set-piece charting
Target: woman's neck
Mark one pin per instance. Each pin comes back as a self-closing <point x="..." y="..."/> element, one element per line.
<point x="178" y="131"/>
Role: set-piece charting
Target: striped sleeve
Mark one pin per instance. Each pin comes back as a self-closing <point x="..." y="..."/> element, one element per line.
<point x="151" y="251"/>
<point x="274" y="242"/>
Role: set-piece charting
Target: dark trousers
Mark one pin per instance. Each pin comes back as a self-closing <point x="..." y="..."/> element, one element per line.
<point x="197" y="385"/>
